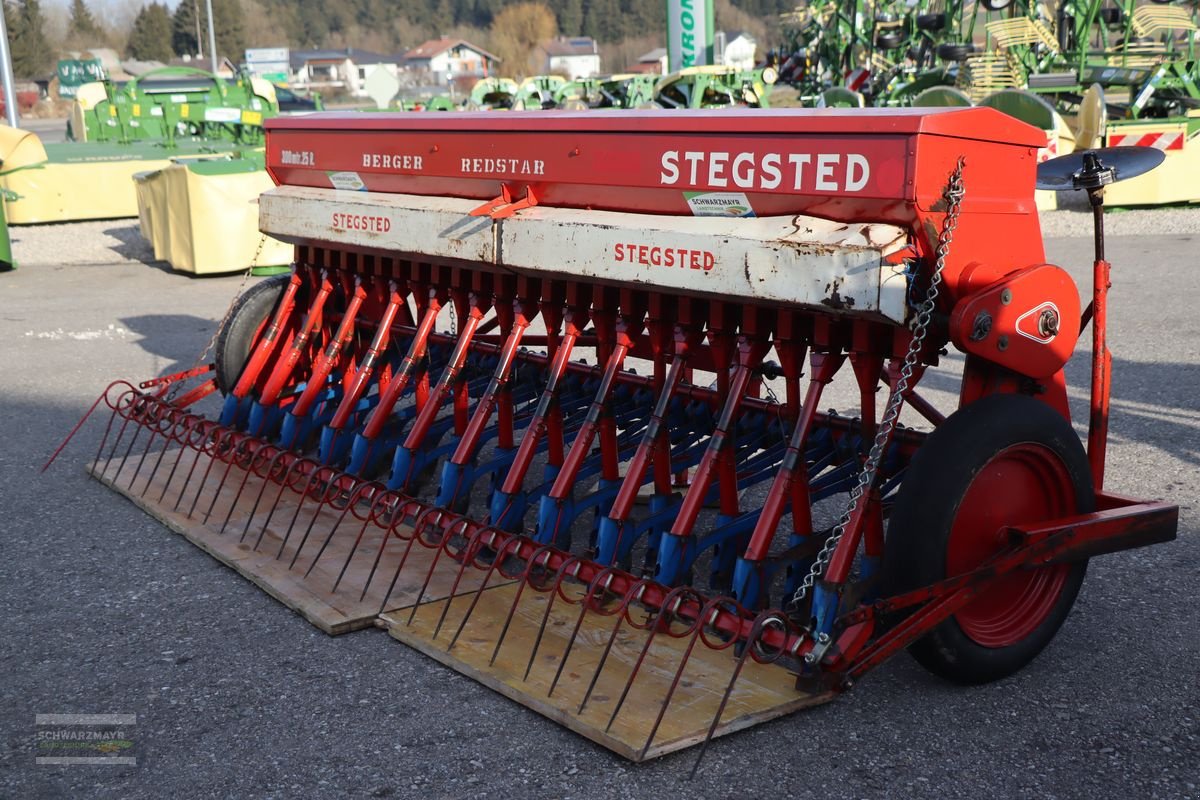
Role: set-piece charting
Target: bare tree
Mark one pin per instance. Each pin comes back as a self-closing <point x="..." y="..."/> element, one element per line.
<point x="517" y="32"/>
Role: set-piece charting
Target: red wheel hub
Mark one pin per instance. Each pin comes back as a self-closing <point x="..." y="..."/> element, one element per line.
<point x="1025" y="483"/>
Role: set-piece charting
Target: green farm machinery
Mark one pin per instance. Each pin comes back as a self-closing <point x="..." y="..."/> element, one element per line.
<point x="173" y="103"/>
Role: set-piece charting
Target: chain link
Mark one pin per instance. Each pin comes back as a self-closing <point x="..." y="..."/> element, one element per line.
<point x="919" y="325"/>
<point x="212" y="343"/>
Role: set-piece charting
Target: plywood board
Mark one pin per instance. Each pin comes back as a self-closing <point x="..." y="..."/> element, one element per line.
<point x="244" y="533"/>
<point x="762" y="692"/>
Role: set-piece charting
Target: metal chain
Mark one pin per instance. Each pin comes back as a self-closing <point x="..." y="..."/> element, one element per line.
<point x="919" y="325"/>
<point x="212" y="343"/>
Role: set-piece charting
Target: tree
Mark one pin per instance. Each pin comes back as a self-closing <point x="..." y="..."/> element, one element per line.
<point x="150" y="39"/>
<point x="82" y="24"/>
<point x="517" y="31"/>
<point x="31" y="55"/>
<point x="191" y="21"/>
<point x="570" y="17"/>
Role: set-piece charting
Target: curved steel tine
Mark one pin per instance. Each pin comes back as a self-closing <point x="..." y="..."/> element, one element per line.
<point x="183" y="446"/>
<point x="192" y="471"/>
<point x="299" y="505"/>
<point x="283" y="486"/>
<point x="245" y="477"/>
<point x="525" y="578"/>
<point x="631" y="596"/>
<point x="403" y="559"/>
<point x="158" y="461"/>
<point x="221" y="485"/>
<point x="137" y="431"/>
<point x="537" y="642"/>
<point x="120" y="433"/>
<point x="441" y="548"/>
<point x="103" y="441"/>
<point x="383" y="492"/>
<point x="605" y="576"/>
<point x="262" y="489"/>
<point x="501" y="554"/>
<point x="669" y="605"/>
<point x="351" y="502"/>
<point x="468" y="558"/>
<point x="699" y="623"/>
<point x="149" y="443"/>
<point x="764" y="620"/>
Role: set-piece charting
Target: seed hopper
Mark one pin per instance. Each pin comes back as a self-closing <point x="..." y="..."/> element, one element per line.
<point x="545" y="397"/>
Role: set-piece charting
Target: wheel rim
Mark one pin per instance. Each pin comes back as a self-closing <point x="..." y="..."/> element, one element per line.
<point x="1022" y="484"/>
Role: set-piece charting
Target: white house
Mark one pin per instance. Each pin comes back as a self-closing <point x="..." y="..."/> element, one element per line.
<point x="738" y="51"/>
<point x="653" y="63"/>
<point x="348" y="68"/>
<point x="449" y="59"/>
<point x="576" y="57"/>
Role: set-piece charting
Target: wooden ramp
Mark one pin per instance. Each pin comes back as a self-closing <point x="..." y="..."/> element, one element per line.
<point x="256" y="542"/>
<point x="260" y="553"/>
<point x="762" y="692"/>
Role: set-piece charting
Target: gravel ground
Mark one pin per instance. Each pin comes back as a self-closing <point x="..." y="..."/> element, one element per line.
<point x="235" y="696"/>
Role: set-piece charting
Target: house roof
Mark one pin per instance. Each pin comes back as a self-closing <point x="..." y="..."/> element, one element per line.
<point x="573" y="46"/>
<point x="435" y="47"/>
<point x="654" y="55"/>
<point x="298" y="58"/>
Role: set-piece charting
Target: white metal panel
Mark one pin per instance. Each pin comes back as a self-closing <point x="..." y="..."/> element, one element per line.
<point x="437" y="227"/>
<point x="789" y="260"/>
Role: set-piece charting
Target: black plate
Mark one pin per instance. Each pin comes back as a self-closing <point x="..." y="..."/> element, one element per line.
<point x="1115" y="164"/>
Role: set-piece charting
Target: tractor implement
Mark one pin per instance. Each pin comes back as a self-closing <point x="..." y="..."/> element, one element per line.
<point x="546" y="400"/>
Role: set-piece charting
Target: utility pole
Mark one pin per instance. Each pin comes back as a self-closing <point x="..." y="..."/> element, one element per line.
<point x="6" y="75"/>
<point x="212" y="37"/>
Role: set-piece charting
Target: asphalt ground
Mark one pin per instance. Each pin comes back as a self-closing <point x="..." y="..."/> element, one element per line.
<point x="105" y="611"/>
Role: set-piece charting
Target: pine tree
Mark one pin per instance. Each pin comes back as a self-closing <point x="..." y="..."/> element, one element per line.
<point x="570" y="17"/>
<point x="191" y="17"/>
<point x="30" y="51"/>
<point x="150" y="38"/>
<point x="82" y="21"/>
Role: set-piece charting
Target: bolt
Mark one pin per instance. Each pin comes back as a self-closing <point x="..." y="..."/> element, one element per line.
<point x="982" y="326"/>
<point x="1006" y="296"/>
<point x="1002" y="343"/>
<point x="1048" y="323"/>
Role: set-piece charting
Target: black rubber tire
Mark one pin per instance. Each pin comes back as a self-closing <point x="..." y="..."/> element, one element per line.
<point x="252" y="309"/>
<point x="889" y="41"/>
<point x="931" y="22"/>
<point x="920" y="523"/>
<point x="995" y="5"/>
<point x="955" y="51"/>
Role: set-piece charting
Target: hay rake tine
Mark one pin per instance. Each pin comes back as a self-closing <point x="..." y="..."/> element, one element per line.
<point x="120" y="433"/>
<point x="299" y="505"/>
<point x="457" y="526"/>
<point x="497" y="563"/>
<point x="283" y="480"/>
<point x="101" y="398"/>
<point x="604" y="577"/>
<point x="418" y="528"/>
<point x="526" y="578"/>
<point x="121" y="466"/>
<point x="764" y="620"/>
<point x="166" y="437"/>
<point x="183" y="446"/>
<point x="382" y="492"/>
<point x="632" y="596"/>
<point x="241" y="487"/>
<point x="231" y="435"/>
<point x="554" y="593"/>
<point x="707" y="613"/>
<point x="670" y="606"/>
<point x="157" y="420"/>
<point x="467" y="559"/>
<point x="354" y="498"/>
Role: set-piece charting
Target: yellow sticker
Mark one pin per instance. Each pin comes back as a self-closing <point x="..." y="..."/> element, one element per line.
<point x="112" y="111"/>
<point x="252" y="118"/>
<point x="137" y="111"/>
<point x="183" y="109"/>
